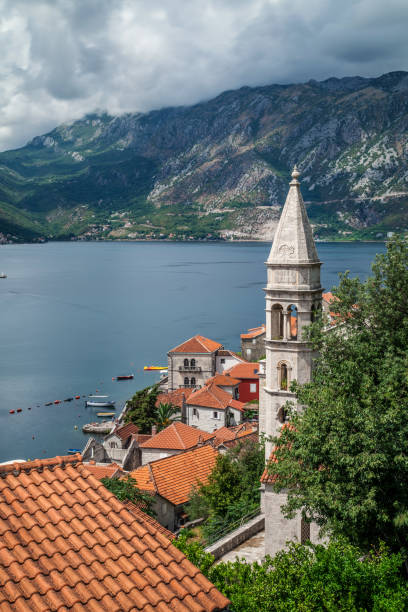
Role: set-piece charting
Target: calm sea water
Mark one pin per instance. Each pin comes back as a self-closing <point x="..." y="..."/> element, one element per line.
<point x="74" y="315"/>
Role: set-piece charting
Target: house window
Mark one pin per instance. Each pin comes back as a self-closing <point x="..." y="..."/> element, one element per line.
<point x="195" y="413"/>
<point x="253" y="340"/>
<point x="192" y="363"/>
<point x="186" y="381"/>
<point x="193" y="381"/>
<point x="222" y="360"/>
<point x="186" y="363"/>
<point x="252" y="387"/>
<point x="113" y="445"/>
<point x="249" y="351"/>
<point x="215" y="415"/>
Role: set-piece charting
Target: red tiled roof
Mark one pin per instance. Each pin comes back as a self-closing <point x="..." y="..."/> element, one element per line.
<point x="143" y="518"/>
<point x="197" y="344"/>
<point x="107" y="470"/>
<point x="224" y="380"/>
<point x="125" y="431"/>
<point x="173" y="397"/>
<point x="228" y="353"/>
<point x="244" y="370"/>
<point x="254" y="332"/>
<point x="329" y="297"/>
<point x="177" y="436"/>
<point x="212" y="396"/>
<point x="225" y="434"/>
<point x="67" y="543"/>
<point x="173" y="477"/>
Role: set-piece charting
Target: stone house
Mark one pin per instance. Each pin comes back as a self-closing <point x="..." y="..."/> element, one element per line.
<point x="171" y="480"/>
<point x="214" y="406"/>
<point x="173" y="440"/>
<point x="196" y="360"/>
<point x="247" y="375"/>
<point x="253" y="343"/>
<point x="121" y="445"/>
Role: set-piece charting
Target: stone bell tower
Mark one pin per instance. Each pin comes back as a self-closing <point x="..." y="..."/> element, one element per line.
<point x="293" y="295"/>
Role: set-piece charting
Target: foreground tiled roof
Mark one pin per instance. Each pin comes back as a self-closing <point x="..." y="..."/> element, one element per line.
<point x="175" y="397"/>
<point x="197" y="344"/>
<point x="173" y="477"/>
<point x="177" y="436"/>
<point x="144" y="518"/>
<point x="105" y="470"/>
<point x="67" y="543"/>
<point x="212" y="396"/>
<point x="224" y="380"/>
<point x="254" y="332"/>
<point x="244" y="370"/>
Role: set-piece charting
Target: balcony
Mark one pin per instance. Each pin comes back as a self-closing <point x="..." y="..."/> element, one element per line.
<point x="188" y="368"/>
<point x="189" y="386"/>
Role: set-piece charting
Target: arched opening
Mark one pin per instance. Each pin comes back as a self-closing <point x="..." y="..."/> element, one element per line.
<point x="186" y="381"/>
<point x="192" y="363"/>
<point x="193" y="382"/>
<point x="283" y="377"/>
<point x="281" y="416"/>
<point x="292" y="322"/>
<point x="186" y="363"/>
<point x="277" y="322"/>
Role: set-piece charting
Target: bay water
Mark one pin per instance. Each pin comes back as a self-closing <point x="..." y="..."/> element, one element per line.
<point x="73" y="316"/>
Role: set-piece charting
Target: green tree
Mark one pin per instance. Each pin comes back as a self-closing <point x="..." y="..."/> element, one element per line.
<point x="308" y="578"/>
<point x="142" y="409"/>
<point x="232" y="490"/>
<point x="127" y="489"/>
<point x="166" y="414"/>
<point x="345" y="461"/>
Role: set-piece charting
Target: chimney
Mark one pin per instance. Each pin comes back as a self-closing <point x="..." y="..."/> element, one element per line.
<point x="154" y="430"/>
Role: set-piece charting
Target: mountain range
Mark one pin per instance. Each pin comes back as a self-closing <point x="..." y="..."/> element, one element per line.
<point x="219" y="168"/>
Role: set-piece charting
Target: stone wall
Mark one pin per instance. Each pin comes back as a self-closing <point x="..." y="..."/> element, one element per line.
<point x="204" y="418"/>
<point x="253" y="349"/>
<point x="177" y="372"/>
<point x="151" y="454"/>
<point x="237" y="537"/>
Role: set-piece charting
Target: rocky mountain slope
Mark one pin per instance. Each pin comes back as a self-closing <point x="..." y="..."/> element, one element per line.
<point x="220" y="168"/>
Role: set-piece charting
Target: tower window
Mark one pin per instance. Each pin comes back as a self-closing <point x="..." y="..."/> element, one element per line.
<point x="283" y="377"/>
<point x="292" y="322"/>
<point x="186" y="381"/>
<point x="277" y="322"/>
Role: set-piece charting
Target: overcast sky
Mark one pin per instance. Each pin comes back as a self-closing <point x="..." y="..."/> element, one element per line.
<point x="60" y="59"/>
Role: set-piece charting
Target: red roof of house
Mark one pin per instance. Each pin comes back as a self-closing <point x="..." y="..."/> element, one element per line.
<point x="228" y="353"/>
<point x="125" y="431"/>
<point x="224" y="380"/>
<point x="173" y="477"/>
<point x="67" y="543"/>
<point x="197" y="344"/>
<point x="175" y="397"/>
<point x="244" y="370"/>
<point x="106" y="470"/>
<point x="254" y="332"/>
<point x="329" y="297"/>
<point x="177" y="436"/>
<point x="226" y="434"/>
<point x="143" y="518"/>
<point x="212" y="396"/>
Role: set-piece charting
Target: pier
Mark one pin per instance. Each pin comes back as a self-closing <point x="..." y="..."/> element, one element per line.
<point x="100" y="428"/>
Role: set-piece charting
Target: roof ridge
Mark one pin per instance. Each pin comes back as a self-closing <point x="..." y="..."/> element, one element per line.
<point x="152" y="477"/>
<point x="38" y="464"/>
<point x="178" y="435"/>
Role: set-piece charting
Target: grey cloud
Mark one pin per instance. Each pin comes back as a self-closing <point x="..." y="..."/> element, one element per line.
<point x="63" y="58"/>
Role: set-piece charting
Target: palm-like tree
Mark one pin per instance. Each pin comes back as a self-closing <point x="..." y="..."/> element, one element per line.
<point x="166" y="414"/>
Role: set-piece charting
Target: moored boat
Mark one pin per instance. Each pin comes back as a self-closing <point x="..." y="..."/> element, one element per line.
<point x="100" y="401"/>
<point x="155" y="368"/>
<point x="105" y="414"/>
<point x="125" y="377"/>
<point x="19" y="410"/>
<point x="3" y="275"/>
<point x="68" y="399"/>
<point x="11" y="411"/>
<point x="73" y="451"/>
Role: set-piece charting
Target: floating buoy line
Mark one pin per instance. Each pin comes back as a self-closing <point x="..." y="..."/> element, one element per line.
<point x="119" y="378"/>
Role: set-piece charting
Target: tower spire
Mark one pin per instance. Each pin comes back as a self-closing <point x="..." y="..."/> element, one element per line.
<point x="293" y="241"/>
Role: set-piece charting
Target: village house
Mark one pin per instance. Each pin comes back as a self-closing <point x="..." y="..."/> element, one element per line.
<point x="171" y="480"/>
<point x="121" y="445"/>
<point x="173" y="440"/>
<point x="228" y="437"/>
<point x="177" y="399"/>
<point x="247" y="375"/>
<point x="213" y="406"/>
<point x="67" y="543"/>
<point x="193" y="362"/>
<point x="253" y="343"/>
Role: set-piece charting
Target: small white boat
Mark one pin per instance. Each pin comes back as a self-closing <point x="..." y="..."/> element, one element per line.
<point x="100" y="401"/>
<point x="3" y="275"/>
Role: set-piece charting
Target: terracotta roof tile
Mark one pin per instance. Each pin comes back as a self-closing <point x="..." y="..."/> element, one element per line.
<point x="224" y="380"/>
<point x="106" y="470"/>
<point x="227" y="434"/>
<point x="177" y="436"/>
<point x="174" y="476"/>
<point x="82" y="549"/>
<point x="197" y="344"/>
<point x="212" y="396"/>
<point x="124" y="431"/>
<point x="244" y="370"/>
<point x="254" y="332"/>
<point x="175" y="397"/>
